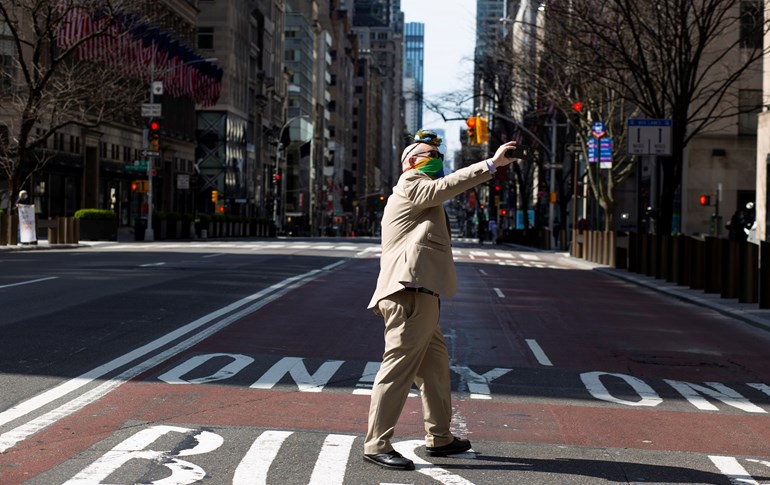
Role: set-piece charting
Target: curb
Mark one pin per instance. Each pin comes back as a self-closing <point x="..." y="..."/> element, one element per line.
<point x="746" y="312"/>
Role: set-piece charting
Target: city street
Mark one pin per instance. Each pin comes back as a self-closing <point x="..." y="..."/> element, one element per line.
<point x="251" y="362"/>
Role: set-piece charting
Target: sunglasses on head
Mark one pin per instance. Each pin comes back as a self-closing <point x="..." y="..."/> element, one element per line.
<point x="427" y="136"/>
<point x="431" y="154"/>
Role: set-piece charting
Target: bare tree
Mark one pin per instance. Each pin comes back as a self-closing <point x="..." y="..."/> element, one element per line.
<point x="671" y="59"/>
<point x="568" y="83"/>
<point x="49" y="88"/>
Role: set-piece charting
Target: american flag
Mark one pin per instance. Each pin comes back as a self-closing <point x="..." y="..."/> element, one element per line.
<point x="137" y="49"/>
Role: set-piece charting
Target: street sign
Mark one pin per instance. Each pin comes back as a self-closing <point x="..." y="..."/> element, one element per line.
<point x="183" y="181"/>
<point x="592" y="150"/>
<point x="138" y="166"/>
<point x="151" y="110"/>
<point x="597" y="129"/>
<point x="150" y="153"/>
<point x="649" y="137"/>
<point x="605" y="153"/>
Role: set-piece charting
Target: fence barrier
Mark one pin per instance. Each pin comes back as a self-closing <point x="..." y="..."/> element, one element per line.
<point x="731" y="269"/>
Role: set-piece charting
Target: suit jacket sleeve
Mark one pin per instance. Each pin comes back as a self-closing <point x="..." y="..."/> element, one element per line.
<point x="416" y="241"/>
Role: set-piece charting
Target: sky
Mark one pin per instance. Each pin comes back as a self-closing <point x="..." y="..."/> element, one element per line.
<point x="450" y="38"/>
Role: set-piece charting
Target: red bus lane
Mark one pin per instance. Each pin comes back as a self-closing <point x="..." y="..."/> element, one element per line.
<point x="525" y="370"/>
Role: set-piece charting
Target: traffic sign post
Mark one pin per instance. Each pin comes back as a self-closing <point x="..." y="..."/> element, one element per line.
<point x="151" y="110"/>
<point x="649" y="137"/>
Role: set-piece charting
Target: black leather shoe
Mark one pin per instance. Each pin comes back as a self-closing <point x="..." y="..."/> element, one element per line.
<point x="456" y="446"/>
<point x="391" y="460"/>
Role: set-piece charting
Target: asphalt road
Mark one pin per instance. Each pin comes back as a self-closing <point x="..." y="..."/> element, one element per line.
<point x="252" y="362"/>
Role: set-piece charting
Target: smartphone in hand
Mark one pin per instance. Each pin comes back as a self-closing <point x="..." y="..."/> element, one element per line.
<point x="519" y="152"/>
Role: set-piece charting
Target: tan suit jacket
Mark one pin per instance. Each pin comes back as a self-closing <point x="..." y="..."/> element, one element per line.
<point x="416" y="241"/>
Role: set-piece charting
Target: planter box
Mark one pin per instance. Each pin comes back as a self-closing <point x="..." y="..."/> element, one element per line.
<point x="98" y="229"/>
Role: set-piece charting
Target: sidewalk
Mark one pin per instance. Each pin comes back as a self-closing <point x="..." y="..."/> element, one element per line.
<point x="746" y="312"/>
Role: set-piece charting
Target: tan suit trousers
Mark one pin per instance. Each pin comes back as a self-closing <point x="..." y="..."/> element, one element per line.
<point x="415" y="352"/>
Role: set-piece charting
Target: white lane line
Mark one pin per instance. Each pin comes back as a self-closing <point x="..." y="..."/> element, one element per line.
<point x="499" y="293"/>
<point x="29" y="282"/>
<point x="148" y="265"/>
<point x="254" y="467"/>
<point x="530" y="257"/>
<point x="538" y="352"/>
<point x="733" y="470"/>
<point x="483" y="272"/>
<point x="332" y="460"/>
<point x="504" y="255"/>
<point x="215" y="255"/>
<point x="14" y="436"/>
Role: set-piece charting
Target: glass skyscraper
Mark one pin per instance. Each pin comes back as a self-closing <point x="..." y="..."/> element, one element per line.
<point x="414" y="51"/>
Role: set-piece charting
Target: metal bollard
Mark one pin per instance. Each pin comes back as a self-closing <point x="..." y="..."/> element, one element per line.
<point x="764" y="274"/>
<point x="748" y="281"/>
<point x="731" y="267"/>
<point x="697" y="264"/>
<point x="713" y="268"/>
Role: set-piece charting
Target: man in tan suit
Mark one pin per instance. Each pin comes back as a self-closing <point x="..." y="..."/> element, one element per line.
<point x="415" y="268"/>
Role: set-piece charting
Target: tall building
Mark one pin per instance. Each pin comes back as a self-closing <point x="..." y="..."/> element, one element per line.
<point x="414" y="57"/>
<point x="379" y="25"/>
<point x="338" y="129"/>
<point x="91" y="165"/>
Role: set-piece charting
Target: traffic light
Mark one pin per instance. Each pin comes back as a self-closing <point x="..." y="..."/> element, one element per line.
<point x="139" y="186"/>
<point x="215" y="196"/>
<point x="482" y="130"/>
<point x="577" y="106"/>
<point x="154" y="136"/>
<point x="472" y="123"/>
<point x="704" y="199"/>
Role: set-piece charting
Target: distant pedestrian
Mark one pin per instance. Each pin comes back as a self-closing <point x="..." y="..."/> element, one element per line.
<point x="492" y="226"/>
<point x="736" y="227"/>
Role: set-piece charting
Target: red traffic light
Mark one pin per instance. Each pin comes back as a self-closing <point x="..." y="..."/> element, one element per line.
<point x="577" y="106"/>
<point x="154" y="126"/>
<point x="704" y="199"/>
<point x="471" y="122"/>
<point x="497" y="188"/>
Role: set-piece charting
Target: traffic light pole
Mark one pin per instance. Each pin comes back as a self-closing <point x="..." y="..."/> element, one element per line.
<point x="149" y="234"/>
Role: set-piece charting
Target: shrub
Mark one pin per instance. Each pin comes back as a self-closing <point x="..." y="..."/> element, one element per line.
<point x="95" y="214"/>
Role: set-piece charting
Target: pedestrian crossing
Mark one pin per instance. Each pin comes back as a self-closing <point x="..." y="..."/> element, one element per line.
<point x="358" y="250"/>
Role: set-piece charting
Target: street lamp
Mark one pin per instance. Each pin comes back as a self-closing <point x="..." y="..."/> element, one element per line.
<point x="157" y="87"/>
<point x="276" y="173"/>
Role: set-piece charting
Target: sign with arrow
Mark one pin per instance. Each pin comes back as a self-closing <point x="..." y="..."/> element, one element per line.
<point x="649" y="137"/>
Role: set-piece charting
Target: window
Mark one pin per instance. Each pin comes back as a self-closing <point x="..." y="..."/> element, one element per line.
<point x="751" y="24"/>
<point x="206" y="38"/>
<point x="7" y="64"/>
<point x="749" y="104"/>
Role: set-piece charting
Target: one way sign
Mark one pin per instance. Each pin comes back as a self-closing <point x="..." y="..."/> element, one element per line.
<point x="649" y="137"/>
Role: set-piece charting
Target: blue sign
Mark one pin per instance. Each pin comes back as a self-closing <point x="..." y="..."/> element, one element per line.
<point x="592" y="145"/>
<point x="597" y="129"/>
<point x="648" y="122"/>
<point x="605" y="153"/>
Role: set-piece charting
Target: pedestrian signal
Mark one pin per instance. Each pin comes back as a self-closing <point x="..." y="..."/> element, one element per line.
<point x="704" y="199"/>
<point x="139" y="186"/>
